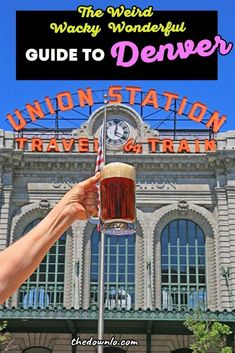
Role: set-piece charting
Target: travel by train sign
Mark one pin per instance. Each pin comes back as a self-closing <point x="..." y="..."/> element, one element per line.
<point x="85" y="145"/>
<point x="64" y="102"/>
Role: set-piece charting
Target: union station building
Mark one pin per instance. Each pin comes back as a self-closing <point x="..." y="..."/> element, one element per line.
<point x="181" y="258"/>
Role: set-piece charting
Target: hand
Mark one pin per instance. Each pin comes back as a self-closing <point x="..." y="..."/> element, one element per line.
<point x="116" y="132"/>
<point x="116" y="129"/>
<point x="82" y="201"/>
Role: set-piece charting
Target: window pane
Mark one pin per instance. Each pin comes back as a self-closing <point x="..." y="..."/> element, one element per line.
<point x="52" y="268"/>
<point x="113" y="241"/>
<point x="165" y="260"/>
<point x="200" y="237"/>
<point x="172" y="232"/>
<point x="192" y="250"/>
<point x="122" y="259"/>
<point x="182" y="232"/>
<point x="164" y="241"/>
<point x="201" y="250"/>
<point x="164" y="278"/>
<point x="174" y="260"/>
<point x="191" y="233"/>
<point x="113" y="250"/>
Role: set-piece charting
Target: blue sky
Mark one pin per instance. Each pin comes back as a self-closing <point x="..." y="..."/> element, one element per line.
<point x="218" y="95"/>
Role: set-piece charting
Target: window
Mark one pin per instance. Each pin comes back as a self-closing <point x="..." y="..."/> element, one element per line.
<point x="45" y="287"/>
<point x="37" y="350"/>
<point x="113" y="350"/>
<point x="182" y="350"/>
<point x="183" y="268"/>
<point x="119" y="270"/>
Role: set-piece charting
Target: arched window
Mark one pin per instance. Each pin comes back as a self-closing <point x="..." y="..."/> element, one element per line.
<point x="113" y="350"/>
<point x="37" y="350"/>
<point x="183" y="270"/>
<point x="45" y="287"/>
<point x="182" y="350"/>
<point x="119" y="270"/>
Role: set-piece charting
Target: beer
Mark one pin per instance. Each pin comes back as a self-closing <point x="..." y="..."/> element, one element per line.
<point x="117" y="193"/>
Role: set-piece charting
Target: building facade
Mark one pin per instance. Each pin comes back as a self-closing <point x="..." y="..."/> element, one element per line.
<point x="180" y="259"/>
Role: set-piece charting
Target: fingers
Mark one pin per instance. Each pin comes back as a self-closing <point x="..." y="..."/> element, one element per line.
<point x="90" y="182"/>
<point x="85" y="198"/>
<point x="92" y="199"/>
<point x="92" y="195"/>
<point x="86" y="212"/>
<point x="93" y="189"/>
<point x="91" y="211"/>
<point x="91" y="202"/>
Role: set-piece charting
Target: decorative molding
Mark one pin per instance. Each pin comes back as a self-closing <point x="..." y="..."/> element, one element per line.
<point x="85" y="267"/>
<point x="28" y="340"/>
<point x="115" y="314"/>
<point x="28" y="161"/>
<point x="160" y="184"/>
<point x="69" y="268"/>
<point x="195" y="213"/>
<point x="140" y="265"/>
<point x="183" y="207"/>
<point x="25" y="215"/>
<point x="44" y="204"/>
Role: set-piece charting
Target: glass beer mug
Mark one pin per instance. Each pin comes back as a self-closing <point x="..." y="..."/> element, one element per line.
<point x="117" y="199"/>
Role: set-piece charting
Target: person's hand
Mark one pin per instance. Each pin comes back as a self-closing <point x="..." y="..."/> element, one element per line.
<point x="82" y="201"/>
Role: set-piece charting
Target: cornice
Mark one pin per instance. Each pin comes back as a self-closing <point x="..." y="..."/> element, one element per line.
<point x="214" y="161"/>
<point x="115" y="314"/>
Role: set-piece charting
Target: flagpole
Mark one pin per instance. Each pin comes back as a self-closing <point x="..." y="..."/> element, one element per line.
<point x="102" y="250"/>
<point x="105" y="127"/>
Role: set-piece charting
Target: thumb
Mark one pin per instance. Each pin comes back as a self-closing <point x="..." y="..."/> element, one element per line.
<point x="86" y="184"/>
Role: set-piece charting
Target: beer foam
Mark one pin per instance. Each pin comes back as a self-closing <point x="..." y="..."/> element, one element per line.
<point x="117" y="169"/>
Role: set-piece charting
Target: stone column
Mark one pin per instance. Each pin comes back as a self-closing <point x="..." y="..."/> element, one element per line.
<point x="150" y="264"/>
<point x="69" y="271"/>
<point x="81" y="293"/>
<point x="224" y="260"/>
<point x="230" y="192"/>
<point x="6" y="191"/>
<point x="141" y="300"/>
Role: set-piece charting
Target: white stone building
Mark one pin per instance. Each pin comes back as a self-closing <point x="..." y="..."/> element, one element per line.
<point x="181" y="258"/>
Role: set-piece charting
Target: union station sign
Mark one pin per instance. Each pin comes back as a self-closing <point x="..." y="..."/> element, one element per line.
<point x="126" y="130"/>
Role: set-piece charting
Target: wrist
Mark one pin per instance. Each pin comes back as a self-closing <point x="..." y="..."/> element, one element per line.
<point x="63" y="213"/>
<point x="67" y="209"/>
<point x="57" y="221"/>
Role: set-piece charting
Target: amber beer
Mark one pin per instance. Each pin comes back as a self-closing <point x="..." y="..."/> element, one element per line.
<point x="117" y="193"/>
